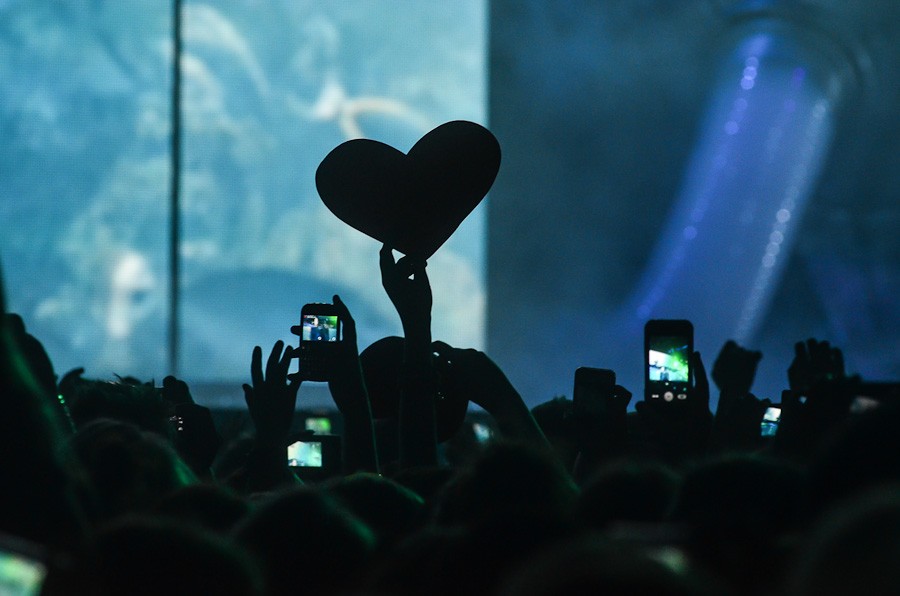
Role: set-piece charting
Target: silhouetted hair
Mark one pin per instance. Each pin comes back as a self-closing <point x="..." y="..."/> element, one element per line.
<point x="157" y="556"/>
<point x="140" y="405"/>
<point x="863" y="455"/>
<point x="590" y="566"/>
<point x="129" y="469"/>
<point x="305" y="541"/>
<point x="212" y="507"/>
<point x="508" y="479"/>
<point x="390" y="509"/>
<point x="854" y="549"/>
<point x="627" y="491"/>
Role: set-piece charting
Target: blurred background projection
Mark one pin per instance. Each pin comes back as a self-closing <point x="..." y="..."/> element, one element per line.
<point x="268" y="88"/>
<point x="734" y="163"/>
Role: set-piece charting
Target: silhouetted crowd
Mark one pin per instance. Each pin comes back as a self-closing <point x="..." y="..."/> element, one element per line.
<point x="124" y="487"/>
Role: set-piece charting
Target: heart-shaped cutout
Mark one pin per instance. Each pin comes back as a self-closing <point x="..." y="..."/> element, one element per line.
<point x="411" y="202"/>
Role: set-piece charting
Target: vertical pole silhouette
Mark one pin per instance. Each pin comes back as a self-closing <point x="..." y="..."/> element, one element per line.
<point x="174" y="205"/>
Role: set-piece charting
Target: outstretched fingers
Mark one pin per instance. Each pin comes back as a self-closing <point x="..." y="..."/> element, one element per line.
<point x="256" y="374"/>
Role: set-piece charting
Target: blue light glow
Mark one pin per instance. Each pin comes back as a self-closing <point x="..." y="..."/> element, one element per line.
<point x="760" y="151"/>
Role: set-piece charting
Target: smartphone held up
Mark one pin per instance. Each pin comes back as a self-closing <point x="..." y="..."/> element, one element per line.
<point x="668" y="345"/>
<point x="592" y="387"/>
<point x="320" y="337"/>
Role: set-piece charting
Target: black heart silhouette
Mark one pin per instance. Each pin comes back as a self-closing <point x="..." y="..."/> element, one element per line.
<point x="411" y="202"/>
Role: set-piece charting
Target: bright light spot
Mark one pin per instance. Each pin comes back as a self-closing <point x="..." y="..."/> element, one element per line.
<point x="819" y="110"/>
<point x="768" y="261"/>
<point x="772" y="248"/>
<point x="746" y="84"/>
<point x="776" y="237"/>
<point x="752" y="62"/>
<point x="731" y="127"/>
<point x="750" y="72"/>
<point x="690" y="233"/>
<point x="783" y="216"/>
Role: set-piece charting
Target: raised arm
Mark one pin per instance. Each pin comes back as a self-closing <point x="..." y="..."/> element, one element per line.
<point x="406" y="284"/>
<point x="348" y="389"/>
<point x="271" y="400"/>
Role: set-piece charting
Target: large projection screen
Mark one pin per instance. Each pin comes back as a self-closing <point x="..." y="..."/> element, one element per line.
<point x="268" y="89"/>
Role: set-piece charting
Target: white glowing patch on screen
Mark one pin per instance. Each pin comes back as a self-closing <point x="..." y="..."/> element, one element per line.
<point x="131" y="282"/>
<point x="305" y="454"/>
<point x="666" y="367"/>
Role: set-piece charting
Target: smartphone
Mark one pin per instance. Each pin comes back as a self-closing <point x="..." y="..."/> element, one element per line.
<point x="22" y="567"/>
<point x="668" y="345"/>
<point x="319" y="339"/>
<point x="771" y="418"/>
<point x="315" y="457"/>
<point x="305" y="454"/>
<point x="591" y="386"/>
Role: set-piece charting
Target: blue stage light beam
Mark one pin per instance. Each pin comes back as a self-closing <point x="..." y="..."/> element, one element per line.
<point x="761" y="148"/>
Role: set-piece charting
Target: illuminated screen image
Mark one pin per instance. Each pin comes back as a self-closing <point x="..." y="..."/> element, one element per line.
<point x="304" y="455"/>
<point x="769" y="424"/>
<point x="320" y="425"/>
<point x="20" y="575"/>
<point x="320" y="328"/>
<point x="668" y="360"/>
<point x="268" y="90"/>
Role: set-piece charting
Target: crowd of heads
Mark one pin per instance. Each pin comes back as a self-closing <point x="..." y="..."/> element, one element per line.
<point x="120" y="486"/>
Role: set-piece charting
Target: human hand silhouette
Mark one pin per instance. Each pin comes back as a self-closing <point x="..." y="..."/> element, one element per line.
<point x="815" y="362"/>
<point x="600" y="420"/>
<point x="272" y="397"/>
<point x="345" y="373"/>
<point x="196" y="438"/>
<point x="175" y="391"/>
<point x="407" y="285"/>
<point x="737" y="423"/>
<point x="478" y="378"/>
<point x="734" y="369"/>
<point x="472" y="375"/>
<point x="818" y="401"/>
<point x="680" y="429"/>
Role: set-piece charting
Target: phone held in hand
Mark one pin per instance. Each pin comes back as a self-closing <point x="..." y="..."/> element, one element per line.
<point x="321" y="333"/>
<point x="771" y="418"/>
<point x="592" y="385"/>
<point x="668" y="345"/>
<point x="314" y="457"/>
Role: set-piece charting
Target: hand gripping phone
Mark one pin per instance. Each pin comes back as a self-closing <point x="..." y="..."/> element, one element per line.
<point x="668" y="346"/>
<point x="592" y="386"/>
<point x="319" y="341"/>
